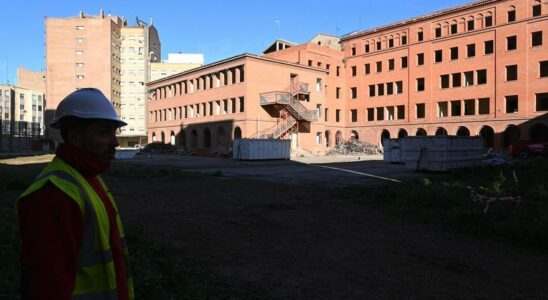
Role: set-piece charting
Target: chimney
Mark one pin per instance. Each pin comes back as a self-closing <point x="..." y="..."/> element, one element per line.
<point x="81" y="14"/>
<point x="102" y="13"/>
<point x="151" y="21"/>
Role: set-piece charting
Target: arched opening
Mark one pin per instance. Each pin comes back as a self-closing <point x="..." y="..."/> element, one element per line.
<point x="441" y="131"/>
<point x="354" y="136"/>
<point x="154" y="137"/>
<point x="421" y="132"/>
<point x="511" y="135"/>
<point x="488" y="135"/>
<point x="327" y="136"/>
<point x="182" y="138"/>
<point x="172" y="138"/>
<point x="463" y="131"/>
<point x="538" y="133"/>
<point x="402" y="133"/>
<point x="194" y="138"/>
<point x="237" y="133"/>
<point x="163" y="140"/>
<point x="338" y="138"/>
<point x="207" y="138"/>
<point x="221" y="137"/>
<point x="384" y="135"/>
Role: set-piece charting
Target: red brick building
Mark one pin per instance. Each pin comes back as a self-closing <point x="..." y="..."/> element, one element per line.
<point x="477" y="69"/>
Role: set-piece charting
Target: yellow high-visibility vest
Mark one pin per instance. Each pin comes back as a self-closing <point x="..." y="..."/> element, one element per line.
<point x="96" y="276"/>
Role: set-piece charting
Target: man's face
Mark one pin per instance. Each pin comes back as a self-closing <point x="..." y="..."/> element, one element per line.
<point x="99" y="139"/>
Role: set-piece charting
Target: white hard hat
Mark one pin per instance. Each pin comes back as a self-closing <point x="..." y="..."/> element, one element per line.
<point x="86" y="103"/>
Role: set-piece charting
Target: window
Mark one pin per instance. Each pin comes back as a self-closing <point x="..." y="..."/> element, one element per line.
<point x="488" y="47"/>
<point x="370" y="114"/>
<point x="79" y="77"/>
<point x="318" y="84"/>
<point x="354" y="115"/>
<point x="511" y="15"/>
<point x="456" y="79"/>
<point x="438" y="56"/>
<point x="420" y="36"/>
<point x="338" y="93"/>
<point x="390" y="43"/>
<point x="511" y="104"/>
<point x="455" y="108"/>
<point x="420" y="59"/>
<point x="420" y="84"/>
<point x="483" y="106"/>
<point x="404" y="62"/>
<point x="512" y="73"/>
<point x="79" y="27"/>
<point x="242" y="103"/>
<point x="379" y="66"/>
<point x="511" y="43"/>
<point x="367" y="48"/>
<point x="318" y="138"/>
<point x="309" y="63"/>
<point x="390" y="113"/>
<point x="469" y="107"/>
<point x="367" y="68"/>
<point x="482" y="76"/>
<point x="536" y="38"/>
<point x="420" y="110"/>
<point x="399" y="87"/>
<point x="442" y="109"/>
<point x="372" y="90"/>
<point x="354" y="92"/>
<point x="353" y="50"/>
<point x="468" y="78"/>
<point x="354" y="71"/>
<point x="79" y="40"/>
<point x="391" y="64"/>
<point x="470" y="25"/>
<point x="380" y="113"/>
<point x="543" y="68"/>
<point x="378" y="45"/>
<point x="79" y="53"/>
<point x="444" y="81"/>
<point x="380" y="89"/>
<point x="400" y="110"/>
<point x="325" y="114"/>
<point x="488" y="21"/>
<point x="471" y="50"/>
<point x="542" y="102"/>
<point x="338" y="71"/>
<point x="404" y="40"/>
<point x="454" y="53"/>
<point x="537" y="9"/>
<point x="438" y="32"/>
<point x="337" y="115"/>
<point x="454" y="28"/>
<point x="389" y="88"/>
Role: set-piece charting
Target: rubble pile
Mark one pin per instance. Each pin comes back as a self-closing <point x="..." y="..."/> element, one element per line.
<point x="355" y="147"/>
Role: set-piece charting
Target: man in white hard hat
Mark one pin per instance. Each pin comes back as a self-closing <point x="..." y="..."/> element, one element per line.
<point x="72" y="240"/>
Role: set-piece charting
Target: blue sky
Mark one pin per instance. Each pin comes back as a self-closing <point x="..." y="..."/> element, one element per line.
<point x="218" y="29"/>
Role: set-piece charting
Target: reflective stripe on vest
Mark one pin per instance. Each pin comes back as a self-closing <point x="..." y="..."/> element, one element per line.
<point x="96" y="277"/>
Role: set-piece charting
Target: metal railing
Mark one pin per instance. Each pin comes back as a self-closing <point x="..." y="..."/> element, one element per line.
<point x="294" y="105"/>
<point x="299" y="88"/>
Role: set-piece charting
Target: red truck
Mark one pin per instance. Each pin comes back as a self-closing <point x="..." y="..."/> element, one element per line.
<point x="524" y="149"/>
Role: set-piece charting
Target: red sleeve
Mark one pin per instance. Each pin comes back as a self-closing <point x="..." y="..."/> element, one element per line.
<point x="51" y="228"/>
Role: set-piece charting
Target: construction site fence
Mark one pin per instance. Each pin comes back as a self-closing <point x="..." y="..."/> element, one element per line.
<point x="20" y="136"/>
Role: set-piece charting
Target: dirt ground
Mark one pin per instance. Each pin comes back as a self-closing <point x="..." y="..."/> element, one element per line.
<point x="304" y="242"/>
<point x="301" y="242"/>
